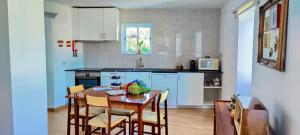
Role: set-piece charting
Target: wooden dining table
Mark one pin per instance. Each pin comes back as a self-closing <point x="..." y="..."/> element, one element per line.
<point x="125" y="101"/>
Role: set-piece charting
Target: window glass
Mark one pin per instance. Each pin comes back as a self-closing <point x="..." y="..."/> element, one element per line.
<point x="136" y="38"/>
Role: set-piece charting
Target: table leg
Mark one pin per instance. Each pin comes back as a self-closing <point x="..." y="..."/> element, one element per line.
<point x="140" y="120"/>
<point x="76" y="113"/>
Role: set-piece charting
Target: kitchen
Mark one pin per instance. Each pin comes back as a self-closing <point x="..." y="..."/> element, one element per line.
<point x="196" y="67"/>
<point x="178" y="38"/>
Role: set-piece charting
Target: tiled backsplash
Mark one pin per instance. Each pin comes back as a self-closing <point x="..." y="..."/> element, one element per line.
<point x="177" y="36"/>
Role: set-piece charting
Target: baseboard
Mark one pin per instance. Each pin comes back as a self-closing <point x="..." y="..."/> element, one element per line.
<point x="196" y="107"/>
<point x="57" y="108"/>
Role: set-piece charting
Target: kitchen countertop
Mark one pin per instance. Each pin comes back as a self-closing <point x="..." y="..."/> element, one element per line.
<point x="153" y="70"/>
<point x="85" y="69"/>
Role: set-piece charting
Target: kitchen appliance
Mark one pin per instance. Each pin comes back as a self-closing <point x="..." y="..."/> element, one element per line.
<point x="87" y="78"/>
<point x="193" y="66"/>
<point x="208" y="64"/>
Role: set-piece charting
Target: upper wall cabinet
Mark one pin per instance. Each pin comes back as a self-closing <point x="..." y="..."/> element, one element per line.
<point x="95" y="24"/>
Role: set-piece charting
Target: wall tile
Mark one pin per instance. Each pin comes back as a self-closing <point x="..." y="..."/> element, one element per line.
<point x="143" y="16"/>
<point x="156" y="17"/>
<point x="169" y="18"/>
<point x="182" y="17"/>
<point x="127" y="16"/>
<point x="103" y="59"/>
<point x="157" y="37"/>
<point x="178" y="36"/>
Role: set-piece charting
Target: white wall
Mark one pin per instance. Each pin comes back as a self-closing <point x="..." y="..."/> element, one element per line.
<point x="228" y="47"/>
<point x="6" y="118"/>
<point x="278" y="90"/>
<point x="177" y="37"/>
<point x="28" y="67"/>
<point x="59" y="58"/>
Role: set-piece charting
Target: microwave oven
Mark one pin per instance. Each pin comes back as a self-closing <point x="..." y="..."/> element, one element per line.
<point x="208" y="64"/>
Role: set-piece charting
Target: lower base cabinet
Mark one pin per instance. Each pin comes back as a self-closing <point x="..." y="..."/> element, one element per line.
<point x="164" y="81"/>
<point x="112" y="78"/>
<point x="143" y="76"/>
<point x="190" y="89"/>
<point x="186" y="89"/>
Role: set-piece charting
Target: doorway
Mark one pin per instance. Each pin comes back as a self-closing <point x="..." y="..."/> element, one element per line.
<point x="49" y="18"/>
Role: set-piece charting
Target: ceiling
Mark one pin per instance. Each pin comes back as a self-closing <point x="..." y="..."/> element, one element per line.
<point x="149" y="4"/>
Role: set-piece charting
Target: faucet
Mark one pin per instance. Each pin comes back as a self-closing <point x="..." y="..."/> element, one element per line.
<point x="139" y="63"/>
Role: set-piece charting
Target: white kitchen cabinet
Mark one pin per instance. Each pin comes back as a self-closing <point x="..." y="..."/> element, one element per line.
<point x="111" y="24"/>
<point x="144" y="76"/>
<point x="95" y="24"/>
<point x="90" y="23"/>
<point x="190" y="89"/>
<point x="112" y="78"/>
<point x="164" y="81"/>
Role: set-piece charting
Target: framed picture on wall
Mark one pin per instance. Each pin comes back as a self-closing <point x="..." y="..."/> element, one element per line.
<point x="272" y="34"/>
<point x="275" y="10"/>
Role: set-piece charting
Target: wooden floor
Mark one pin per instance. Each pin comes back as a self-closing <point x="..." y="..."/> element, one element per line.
<point x="181" y="122"/>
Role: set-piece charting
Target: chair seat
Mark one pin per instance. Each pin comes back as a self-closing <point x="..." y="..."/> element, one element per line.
<point x="93" y="111"/>
<point x="150" y="117"/>
<point x="117" y="111"/>
<point x="102" y="120"/>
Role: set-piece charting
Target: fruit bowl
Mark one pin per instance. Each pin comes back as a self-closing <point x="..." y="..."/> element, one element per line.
<point x="137" y="87"/>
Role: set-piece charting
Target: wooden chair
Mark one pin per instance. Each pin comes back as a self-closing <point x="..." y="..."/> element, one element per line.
<point x="124" y="112"/>
<point x="155" y="119"/>
<point x="93" y="111"/>
<point x="105" y="121"/>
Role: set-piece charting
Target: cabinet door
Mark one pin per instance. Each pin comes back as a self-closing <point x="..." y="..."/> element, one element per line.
<point x="89" y="23"/>
<point x="112" y="78"/>
<point x="110" y="23"/>
<point x="190" y="89"/>
<point x="105" y="81"/>
<point x="144" y="76"/>
<point x="163" y="81"/>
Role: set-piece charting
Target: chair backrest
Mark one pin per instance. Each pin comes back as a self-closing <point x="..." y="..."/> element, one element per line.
<point x="75" y="89"/>
<point x="163" y="96"/>
<point x="97" y="101"/>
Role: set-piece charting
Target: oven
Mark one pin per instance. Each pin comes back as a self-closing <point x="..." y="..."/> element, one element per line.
<point x="88" y="79"/>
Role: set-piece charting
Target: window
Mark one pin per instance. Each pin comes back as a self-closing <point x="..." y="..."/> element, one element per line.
<point x="136" y="38"/>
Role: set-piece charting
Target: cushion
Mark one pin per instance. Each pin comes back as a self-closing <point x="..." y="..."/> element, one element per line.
<point x="118" y="111"/>
<point x="150" y="117"/>
<point x="93" y="111"/>
<point x="102" y="120"/>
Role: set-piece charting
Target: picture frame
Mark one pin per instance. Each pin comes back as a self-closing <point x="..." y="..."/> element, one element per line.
<point x="273" y="16"/>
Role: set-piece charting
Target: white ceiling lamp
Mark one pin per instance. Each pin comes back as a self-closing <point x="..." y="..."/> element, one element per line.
<point x="245" y="6"/>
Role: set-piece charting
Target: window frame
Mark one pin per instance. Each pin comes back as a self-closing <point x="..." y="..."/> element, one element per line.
<point x="123" y="37"/>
